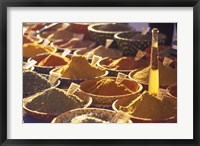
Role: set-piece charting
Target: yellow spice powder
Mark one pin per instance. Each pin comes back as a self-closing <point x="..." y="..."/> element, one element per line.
<point x="151" y="107"/>
<point x="79" y="68"/>
<point x="32" y="49"/>
<point x="107" y="87"/>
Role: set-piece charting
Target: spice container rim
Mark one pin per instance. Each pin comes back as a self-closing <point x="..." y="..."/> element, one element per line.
<point x="91" y="28"/>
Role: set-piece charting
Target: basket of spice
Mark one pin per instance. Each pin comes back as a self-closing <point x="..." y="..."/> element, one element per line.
<point x="92" y="115"/>
<point x="131" y="42"/>
<point x="99" y="32"/>
<point x="104" y="91"/>
<point x="34" y="82"/>
<point x="52" y="102"/>
<point x="78" y="70"/>
<point x="146" y="108"/>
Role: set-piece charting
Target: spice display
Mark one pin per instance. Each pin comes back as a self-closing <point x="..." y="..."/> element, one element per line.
<point x="32" y="49"/>
<point x="79" y="68"/>
<point x="150" y="107"/>
<point x="107" y="87"/>
<point x="33" y="83"/>
<point x="103" y="52"/>
<point x="52" y="60"/>
<point x="167" y="75"/>
<point x="54" y="101"/>
<point x="124" y="63"/>
<point x="70" y="66"/>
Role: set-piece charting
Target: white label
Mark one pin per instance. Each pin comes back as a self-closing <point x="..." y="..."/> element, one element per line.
<point x="167" y="61"/>
<point x="66" y="52"/>
<point x="79" y="36"/>
<point x="145" y="30"/>
<point x="29" y="64"/>
<point x="54" y="77"/>
<point x="161" y="93"/>
<point x="73" y="88"/>
<point x="120" y="77"/>
<point x="45" y="42"/>
<point x="139" y="55"/>
<point x="121" y="117"/>
<point x="108" y="43"/>
<point x="95" y="59"/>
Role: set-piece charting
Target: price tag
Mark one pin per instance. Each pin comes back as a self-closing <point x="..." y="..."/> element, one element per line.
<point x="73" y="88"/>
<point x="167" y="61"/>
<point x="29" y="64"/>
<point x="95" y="59"/>
<point x="45" y="42"/>
<point x="121" y="117"/>
<point x="161" y="93"/>
<point x="145" y="30"/>
<point x="66" y="52"/>
<point x="108" y="43"/>
<point x="120" y="77"/>
<point x="139" y="55"/>
<point x="54" y="77"/>
<point x="79" y="36"/>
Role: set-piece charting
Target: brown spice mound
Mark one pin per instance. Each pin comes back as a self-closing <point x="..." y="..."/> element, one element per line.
<point x="107" y="87"/>
<point x="79" y="68"/>
<point x="52" y="60"/>
<point x="103" y="52"/>
<point x="125" y="63"/>
<point x="54" y="101"/>
<point x="151" y="107"/>
<point x="167" y="75"/>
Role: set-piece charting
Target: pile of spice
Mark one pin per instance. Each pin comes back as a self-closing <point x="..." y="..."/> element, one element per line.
<point x="32" y="49"/>
<point x="64" y="34"/>
<point x="123" y="63"/>
<point x="51" y="60"/>
<point x="76" y="43"/>
<point x="103" y="52"/>
<point x="79" y="68"/>
<point x="33" y="83"/>
<point x="167" y="75"/>
<point x="150" y="107"/>
<point x="54" y="101"/>
<point x="106" y="86"/>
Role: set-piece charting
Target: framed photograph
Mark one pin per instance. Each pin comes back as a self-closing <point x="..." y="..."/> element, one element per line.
<point x="99" y="72"/>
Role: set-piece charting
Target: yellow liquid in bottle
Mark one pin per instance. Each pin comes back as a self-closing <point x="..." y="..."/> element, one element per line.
<point x="153" y="82"/>
<point x="154" y="70"/>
